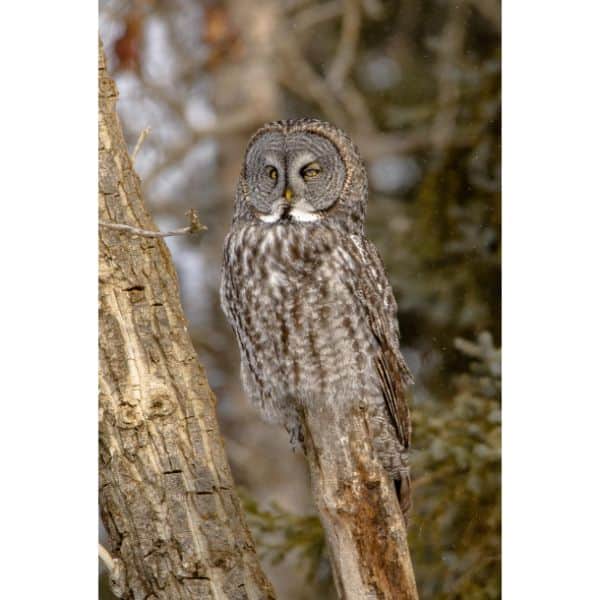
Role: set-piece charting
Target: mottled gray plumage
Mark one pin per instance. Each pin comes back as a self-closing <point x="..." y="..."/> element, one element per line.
<point x="306" y="292"/>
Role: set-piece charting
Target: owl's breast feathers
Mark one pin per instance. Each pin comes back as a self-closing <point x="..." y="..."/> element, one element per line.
<point x="312" y="309"/>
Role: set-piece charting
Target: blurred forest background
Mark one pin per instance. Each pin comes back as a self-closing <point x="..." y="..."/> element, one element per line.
<point x="416" y="84"/>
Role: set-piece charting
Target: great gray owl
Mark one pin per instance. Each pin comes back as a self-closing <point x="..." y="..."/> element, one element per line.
<point x="306" y="293"/>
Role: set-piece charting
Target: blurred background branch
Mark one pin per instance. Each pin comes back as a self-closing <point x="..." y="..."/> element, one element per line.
<point x="416" y="83"/>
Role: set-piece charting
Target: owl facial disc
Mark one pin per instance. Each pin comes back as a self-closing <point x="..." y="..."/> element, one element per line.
<point x="293" y="177"/>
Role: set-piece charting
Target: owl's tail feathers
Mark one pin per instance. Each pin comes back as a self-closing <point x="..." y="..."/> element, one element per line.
<point x="403" y="491"/>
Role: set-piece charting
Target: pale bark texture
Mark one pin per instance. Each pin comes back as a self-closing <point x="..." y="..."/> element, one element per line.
<point x="363" y="522"/>
<point x="167" y="498"/>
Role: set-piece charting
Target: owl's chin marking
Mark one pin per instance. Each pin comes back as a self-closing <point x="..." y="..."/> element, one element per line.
<point x="272" y="218"/>
<point x="293" y="215"/>
<point x="304" y="216"/>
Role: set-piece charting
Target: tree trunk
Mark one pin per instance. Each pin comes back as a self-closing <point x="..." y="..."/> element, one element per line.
<point x="363" y="522"/>
<point x="167" y="497"/>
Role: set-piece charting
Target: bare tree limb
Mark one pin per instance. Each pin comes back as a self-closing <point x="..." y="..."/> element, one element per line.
<point x="115" y="569"/>
<point x="373" y="9"/>
<point x="291" y="6"/>
<point x="106" y="558"/>
<point x="414" y="140"/>
<point x="317" y="14"/>
<point x="139" y="143"/>
<point x="357" y="504"/>
<point x="236" y="122"/>
<point x="194" y="227"/>
<point x="357" y="108"/>
<point x="346" y="51"/>
<point x="298" y="76"/>
<point x="490" y="9"/>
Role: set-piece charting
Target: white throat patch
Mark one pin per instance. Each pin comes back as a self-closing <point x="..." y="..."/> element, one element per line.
<point x="304" y="216"/>
<point x="272" y="218"/>
<point x="296" y="214"/>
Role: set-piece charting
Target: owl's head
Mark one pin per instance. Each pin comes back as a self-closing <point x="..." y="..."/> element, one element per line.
<point x="302" y="171"/>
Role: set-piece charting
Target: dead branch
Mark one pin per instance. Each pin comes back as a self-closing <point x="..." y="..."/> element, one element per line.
<point x="139" y="143"/>
<point x="345" y="55"/>
<point x="317" y="14"/>
<point x="357" y="504"/>
<point x="194" y="227"/>
<point x="239" y="121"/>
<point x="106" y="558"/>
<point x="299" y="76"/>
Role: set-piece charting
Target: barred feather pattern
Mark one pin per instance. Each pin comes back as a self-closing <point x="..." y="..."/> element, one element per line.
<point x="315" y="320"/>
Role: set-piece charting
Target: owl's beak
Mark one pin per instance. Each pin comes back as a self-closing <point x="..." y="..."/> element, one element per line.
<point x="288" y="194"/>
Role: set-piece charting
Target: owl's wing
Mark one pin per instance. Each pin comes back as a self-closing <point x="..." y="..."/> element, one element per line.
<point x="377" y="301"/>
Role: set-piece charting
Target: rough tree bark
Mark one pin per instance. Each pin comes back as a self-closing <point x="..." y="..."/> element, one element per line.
<point x="363" y="523"/>
<point x="167" y="498"/>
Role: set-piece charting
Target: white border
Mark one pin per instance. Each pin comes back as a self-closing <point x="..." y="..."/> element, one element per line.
<point x="551" y="300"/>
<point x="48" y="442"/>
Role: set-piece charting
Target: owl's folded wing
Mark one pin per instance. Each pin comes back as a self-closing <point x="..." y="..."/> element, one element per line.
<point x="378" y="303"/>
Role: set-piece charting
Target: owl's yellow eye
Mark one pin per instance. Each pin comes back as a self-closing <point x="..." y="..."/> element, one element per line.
<point x="272" y="173"/>
<point x="311" y="170"/>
